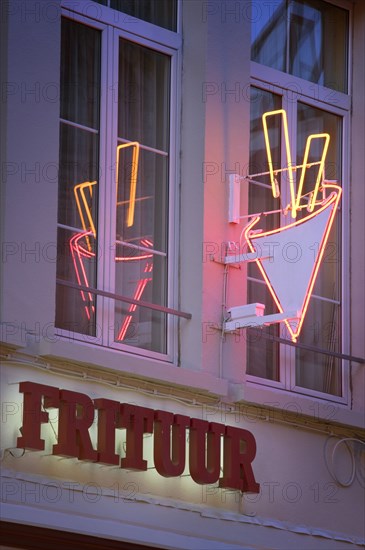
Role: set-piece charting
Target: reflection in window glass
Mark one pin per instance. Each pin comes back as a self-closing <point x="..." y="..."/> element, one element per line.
<point x="306" y="38"/>
<point x="268" y="34"/>
<point x="262" y="355"/>
<point x="158" y="12"/>
<point x="322" y="330"/>
<point x="141" y="216"/>
<point x="78" y="176"/>
<point x="322" y="327"/>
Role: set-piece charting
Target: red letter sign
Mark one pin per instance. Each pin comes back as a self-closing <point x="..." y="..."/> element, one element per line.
<point x="237" y="469"/>
<point x="33" y="416"/>
<point x="169" y="443"/>
<point x="73" y="429"/>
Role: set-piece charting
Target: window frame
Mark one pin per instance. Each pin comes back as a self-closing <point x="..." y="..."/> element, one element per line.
<point x="112" y="28"/>
<point x="293" y="89"/>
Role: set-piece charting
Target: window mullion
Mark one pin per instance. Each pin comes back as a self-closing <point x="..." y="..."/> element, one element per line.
<point x="107" y="186"/>
<point x="287" y="49"/>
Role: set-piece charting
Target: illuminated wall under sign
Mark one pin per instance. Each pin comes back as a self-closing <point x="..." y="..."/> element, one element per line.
<point x="289" y="276"/>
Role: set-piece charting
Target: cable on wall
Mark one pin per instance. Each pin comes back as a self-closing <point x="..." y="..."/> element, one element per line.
<point x="330" y="464"/>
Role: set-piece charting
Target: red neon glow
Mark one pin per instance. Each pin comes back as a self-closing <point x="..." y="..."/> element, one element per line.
<point x="84" y="208"/>
<point x="80" y="252"/>
<point x="331" y="202"/>
<point x="142" y="283"/>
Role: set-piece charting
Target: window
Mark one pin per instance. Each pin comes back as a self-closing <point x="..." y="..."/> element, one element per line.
<point x="269" y="361"/>
<point x="116" y="178"/>
<point x="305" y="38"/>
<point x="162" y="12"/>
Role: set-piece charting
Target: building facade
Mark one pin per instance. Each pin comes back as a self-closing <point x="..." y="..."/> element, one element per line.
<point x="140" y="406"/>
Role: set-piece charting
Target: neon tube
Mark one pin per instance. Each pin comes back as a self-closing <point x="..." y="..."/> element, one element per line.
<point x="310" y="138"/>
<point x="80" y="189"/>
<point x="134" y="175"/>
<point x="333" y="200"/>
<point x="275" y="193"/>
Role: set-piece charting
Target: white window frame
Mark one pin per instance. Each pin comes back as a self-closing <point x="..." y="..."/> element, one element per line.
<point x="114" y="25"/>
<point x="293" y="89"/>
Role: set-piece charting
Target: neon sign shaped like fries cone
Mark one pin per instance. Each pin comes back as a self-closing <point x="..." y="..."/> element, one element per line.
<point x="285" y="256"/>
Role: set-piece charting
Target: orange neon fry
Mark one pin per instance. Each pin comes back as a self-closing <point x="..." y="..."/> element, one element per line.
<point x="331" y="201"/>
<point x="79" y="189"/>
<point x="81" y="251"/>
<point x="275" y="193"/>
<point x="134" y="175"/>
<point x="313" y="199"/>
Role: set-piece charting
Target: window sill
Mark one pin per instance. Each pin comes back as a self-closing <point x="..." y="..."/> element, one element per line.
<point x="294" y="407"/>
<point x="130" y="365"/>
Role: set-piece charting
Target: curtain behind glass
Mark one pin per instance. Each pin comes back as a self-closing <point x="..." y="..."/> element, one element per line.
<point x="158" y="12"/>
<point x="263" y="355"/>
<point x="322" y="327"/>
<point x="78" y="166"/>
<point x="143" y="117"/>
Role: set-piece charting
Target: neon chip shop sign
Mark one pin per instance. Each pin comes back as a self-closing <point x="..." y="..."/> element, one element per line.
<point x="76" y="416"/>
<point x="289" y="283"/>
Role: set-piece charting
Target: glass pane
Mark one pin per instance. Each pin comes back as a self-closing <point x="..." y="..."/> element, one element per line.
<point x="76" y="263"/>
<point x="262" y="354"/>
<point x="140" y="276"/>
<point x="78" y="166"/>
<point x="306" y="38"/>
<point x="260" y="197"/>
<point x="150" y="205"/>
<point x="268" y="34"/>
<point x="80" y="73"/>
<point x="318" y="43"/>
<point x="322" y="326"/>
<point x="312" y="121"/>
<point x="144" y="91"/>
<point x="322" y="329"/>
<point x="142" y="195"/>
<point x="78" y="177"/>
<point x="159" y="12"/>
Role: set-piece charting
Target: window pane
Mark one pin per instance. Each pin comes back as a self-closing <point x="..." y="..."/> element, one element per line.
<point x="322" y="326"/>
<point x="78" y="176"/>
<point x="150" y="208"/>
<point x="260" y="198"/>
<point x="78" y="165"/>
<point x="141" y="277"/>
<point x="159" y="12"/>
<point x="76" y="263"/>
<point x="262" y="354"/>
<point x="142" y="194"/>
<point x="268" y="34"/>
<point x="80" y="73"/>
<point x="144" y="90"/>
<point x="312" y="121"/>
<point x="322" y="329"/>
<point x="318" y="43"/>
<point x="306" y="38"/>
